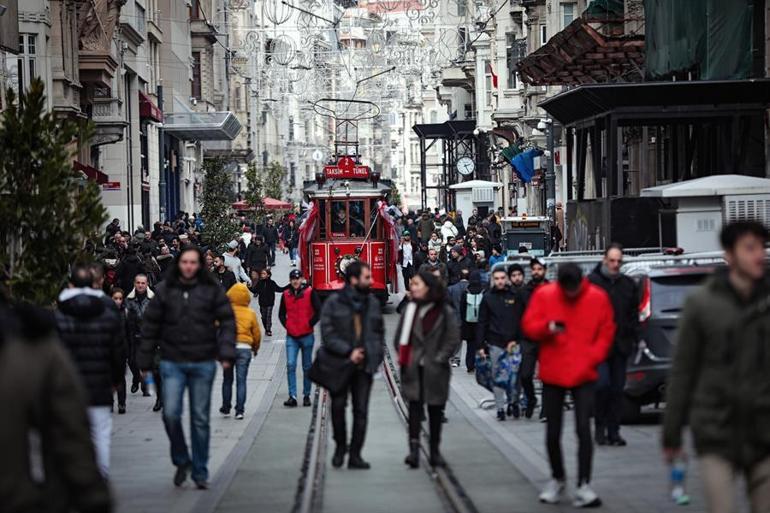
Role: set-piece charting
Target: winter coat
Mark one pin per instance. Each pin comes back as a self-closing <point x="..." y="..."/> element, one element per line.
<point x="719" y="380"/>
<point x="225" y="279"/>
<point x="338" y="330"/>
<point x="90" y="326"/>
<point x="246" y="323"/>
<point x="455" y="267"/>
<point x="299" y="311"/>
<point x="625" y="304"/>
<point x="495" y="232"/>
<point x="448" y="229"/>
<point x="430" y="350"/>
<point x="135" y="308"/>
<point x="257" y="256"/>
<point x="266" y="290"/>
<point x="500" y="315"/>
<point x="455" y="293"/>
<point x="460" y="226"/>
<point x="291" y="237"/>
<point x="189" y="322"/>
<point x="425" y="228"/>
<point x="129" y="266"/>
<point x="42" y="398"/>
<point x="438" y="264"/>
<point x="570" y="358"/>
<point x="435" y="244"/>
<point x="271" y="234"/>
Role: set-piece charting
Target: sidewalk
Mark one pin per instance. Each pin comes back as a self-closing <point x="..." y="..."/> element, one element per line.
<point x="141" y="469"/>
<point x="628" y="479"/>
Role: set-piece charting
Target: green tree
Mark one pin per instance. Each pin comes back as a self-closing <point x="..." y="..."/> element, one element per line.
<point x="394" y="198"/>
<point x="220" y="228"/>
<point x="275" y="176"/>
<point x="47" y="210"/>
<point x="254" y="190"/>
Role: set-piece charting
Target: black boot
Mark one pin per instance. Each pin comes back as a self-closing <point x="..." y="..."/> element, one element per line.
<point x="355" y="461"/>
<point x="413" y="459"/>
<point x="435" y="417"/>
<point x="339" y="455"/>
<point x="158" y="405"/>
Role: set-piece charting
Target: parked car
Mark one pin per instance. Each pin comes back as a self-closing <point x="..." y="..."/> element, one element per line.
<point x="662" y="291"/>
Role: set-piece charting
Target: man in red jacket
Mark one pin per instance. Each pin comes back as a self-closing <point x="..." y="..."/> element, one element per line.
<point x="572" y="320"/>
<point x="299" y="311"/>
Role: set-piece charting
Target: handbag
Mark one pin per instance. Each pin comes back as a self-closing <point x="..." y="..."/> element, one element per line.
<point x="331" y="371"/>
<point x="404" y="346"/>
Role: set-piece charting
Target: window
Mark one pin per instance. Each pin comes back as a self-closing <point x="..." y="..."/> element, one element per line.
<point x="195" y="10"/>
<point x="196" y="75"/>
<point x="516" y="50"/>
<point x="348" y="219"/>
<point x="468" y="111"/>
<point x="291" y="128"/>
<point x="543" y="35"/>
<point x="462" y="8"/>
<point x="154" y="62"/>
<point x="238" y="98"/>
<point x="568" y="14"/>
<point x="292" y="174"/>
<point x="433" y="116"/>
<point x="141" y="19"/>
<point x="488" y="88"/>
<point x="27" y="59"/>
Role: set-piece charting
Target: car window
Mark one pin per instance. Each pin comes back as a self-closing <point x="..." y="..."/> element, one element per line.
<point x="670" y="292"/>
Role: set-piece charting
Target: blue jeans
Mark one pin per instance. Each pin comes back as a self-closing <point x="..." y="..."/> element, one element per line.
<point x="293" y="254"/>
<point x="609" y="394"/>
<point x="198" y="378"/>
<point x="293" y="346"/>
<point x="242" y="360"/>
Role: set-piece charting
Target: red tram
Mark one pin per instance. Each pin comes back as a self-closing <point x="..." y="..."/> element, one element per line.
<point x="348" y="219"/>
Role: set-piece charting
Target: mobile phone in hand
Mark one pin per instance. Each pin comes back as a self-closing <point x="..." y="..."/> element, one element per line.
<point x="557" y="327"/>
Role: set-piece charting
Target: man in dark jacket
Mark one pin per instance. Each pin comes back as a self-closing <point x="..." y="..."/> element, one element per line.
<point x="222" y="274"/>
<point x="136" y="304"/>
<point x="192" y="322"/>
<point x="458" y="263"/>
<point x="612" y="373"/>
<point x="130" y="265"/>
<point x="352" y="326"/>
<point x="434" y="263"/>
<point x="719" y="381"/>
<point x="271" y="239"/>
<point x="498" y="327"/>
<point x="47" y="453"/>
<point x="90" y="326"/>
<point x="299" y="311"/>
<point x="425" y="227"/>
<point x="257" y="255"/>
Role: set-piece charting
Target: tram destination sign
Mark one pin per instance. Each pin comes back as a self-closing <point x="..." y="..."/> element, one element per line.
<point x="347" y="168"/>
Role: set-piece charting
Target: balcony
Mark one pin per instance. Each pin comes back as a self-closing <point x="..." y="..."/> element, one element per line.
<point x="108" y="120"/>
<point x="200" y="28"/>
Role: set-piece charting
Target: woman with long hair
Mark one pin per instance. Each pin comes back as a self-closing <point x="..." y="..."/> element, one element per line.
<point x="427" y="336"/>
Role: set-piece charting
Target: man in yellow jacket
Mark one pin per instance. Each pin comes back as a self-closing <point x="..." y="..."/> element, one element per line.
<point x="248" y="338"/>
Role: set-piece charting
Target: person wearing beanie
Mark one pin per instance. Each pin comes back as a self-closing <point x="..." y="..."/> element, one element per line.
<point x="470" y="303"/>
<point x="457" y="262"/>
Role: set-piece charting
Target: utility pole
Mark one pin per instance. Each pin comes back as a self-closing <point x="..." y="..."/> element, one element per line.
<point x="550" y="176"/>
<point x="161" y="156"/>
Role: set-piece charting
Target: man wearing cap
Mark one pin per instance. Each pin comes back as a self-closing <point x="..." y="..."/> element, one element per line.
<point x="299" y="311"/>
<point x="233" y="263"/>
<point x="457" y="262"/>
<point x="407" y="250"/>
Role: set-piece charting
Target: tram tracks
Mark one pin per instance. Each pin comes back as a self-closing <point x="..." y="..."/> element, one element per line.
<point x="452" y="493"/>
<point x="310" y="486"/>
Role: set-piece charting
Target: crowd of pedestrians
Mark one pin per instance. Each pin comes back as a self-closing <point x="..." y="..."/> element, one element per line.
<point x="168" y="326"/>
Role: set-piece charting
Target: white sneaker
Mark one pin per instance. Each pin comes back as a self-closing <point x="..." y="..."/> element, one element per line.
<point x="585" y="497"/>
<point x="552" y="492"/>
<point x="239" y="416"/>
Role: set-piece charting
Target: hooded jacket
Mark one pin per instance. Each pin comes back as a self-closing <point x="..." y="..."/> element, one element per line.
<point x="448" y="229"/>
<point x="190" y="322"/>
<point x="246" y="323"/>
<point x="719" y="380"/>
<point x="570" y="358"/>
<point x="90" y="326"/>
<point x="425" y="227"/>
<point x="299" y="311"/>
<point x="42" y="394"/>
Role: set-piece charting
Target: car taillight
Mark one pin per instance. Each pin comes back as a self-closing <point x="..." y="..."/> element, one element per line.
<point x="645" y="304"/>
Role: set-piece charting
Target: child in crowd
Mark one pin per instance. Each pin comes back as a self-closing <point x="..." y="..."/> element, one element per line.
<point x="248" y="339"/>
<point x="265" y="289"/>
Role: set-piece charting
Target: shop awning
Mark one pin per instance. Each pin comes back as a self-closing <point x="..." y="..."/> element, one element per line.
<point x="202" y="126"/>
<point x="274" y="204"/>
<point x="91" y="173"/>
<point x="148" y="109"/>
<point x="655" y="101"/>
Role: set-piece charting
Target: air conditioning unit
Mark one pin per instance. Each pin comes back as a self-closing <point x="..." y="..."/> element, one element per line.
<point x="483" y="195"/>
<point x="747" y="207"/>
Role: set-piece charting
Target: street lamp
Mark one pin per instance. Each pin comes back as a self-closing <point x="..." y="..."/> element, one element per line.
<point x="550" y="175"/>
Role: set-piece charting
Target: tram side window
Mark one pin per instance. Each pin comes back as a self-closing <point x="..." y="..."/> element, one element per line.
<point x="357" y="219"/>
<point x="339" y="218"/>
<point x="322" y="219"/>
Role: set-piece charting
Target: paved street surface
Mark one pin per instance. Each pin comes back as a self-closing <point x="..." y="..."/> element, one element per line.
<point x="256" y="463"/>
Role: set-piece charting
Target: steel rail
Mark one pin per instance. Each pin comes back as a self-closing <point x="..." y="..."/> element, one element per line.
<point x="309" y="496"/>
<point x="454" y="496"/>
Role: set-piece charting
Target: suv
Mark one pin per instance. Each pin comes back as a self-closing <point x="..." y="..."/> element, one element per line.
<point x="662" y="292"/>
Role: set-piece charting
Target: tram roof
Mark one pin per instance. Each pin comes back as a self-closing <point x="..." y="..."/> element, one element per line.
<point x="340" y="188"/>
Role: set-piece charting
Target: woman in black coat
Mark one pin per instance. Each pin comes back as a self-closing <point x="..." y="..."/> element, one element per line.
<point x="427" y="336"/>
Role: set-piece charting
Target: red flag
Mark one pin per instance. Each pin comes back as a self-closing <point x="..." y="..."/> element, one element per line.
<point x="492" y="72"/>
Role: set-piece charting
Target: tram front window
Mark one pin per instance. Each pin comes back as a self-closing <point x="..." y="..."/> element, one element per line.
<point x="357" y="225"/>
<point x="339" y="219"/>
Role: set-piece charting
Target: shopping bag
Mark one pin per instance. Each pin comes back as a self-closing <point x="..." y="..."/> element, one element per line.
<point x="508" y="368"/>
<point x="484" y="372"/>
